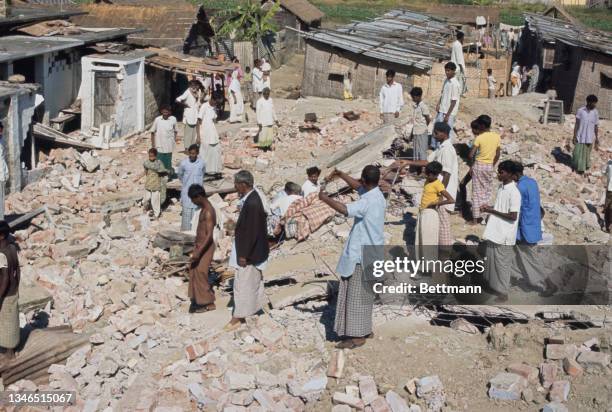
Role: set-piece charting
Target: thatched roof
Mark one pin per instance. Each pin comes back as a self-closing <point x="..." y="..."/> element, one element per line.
<point x="167" y="23"/>
<point x="303" y="10"/>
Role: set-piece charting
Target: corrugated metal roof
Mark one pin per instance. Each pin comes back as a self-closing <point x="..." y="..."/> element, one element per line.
<point x="399" y="36"/>
<point x="552" y="30"/>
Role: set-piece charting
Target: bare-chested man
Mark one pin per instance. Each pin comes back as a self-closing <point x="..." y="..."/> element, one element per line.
<point x="201" y="293"/>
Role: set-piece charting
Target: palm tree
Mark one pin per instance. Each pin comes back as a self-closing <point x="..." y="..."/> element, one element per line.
<point x="248" y="21"/>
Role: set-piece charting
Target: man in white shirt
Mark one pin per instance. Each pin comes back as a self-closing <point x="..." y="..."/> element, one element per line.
<point x="500" y="232"/>
<point x="4" y="172"/>
<point x="448" y="105"/>
<point x="280" y="205"/>
<point x="391" y="99"/>
<point x="266" y="120"/>
<point x="164" y="136"/>
<point x="457" y="58"/>
<point x="190" y="99"/>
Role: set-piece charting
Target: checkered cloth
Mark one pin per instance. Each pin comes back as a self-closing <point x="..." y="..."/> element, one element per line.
<point x="354" y="306"/>
<point x="9" y="322"/>
<point x="482" y="185"/>
<point x="309" y="214"/>
<point x="445" y="237"/>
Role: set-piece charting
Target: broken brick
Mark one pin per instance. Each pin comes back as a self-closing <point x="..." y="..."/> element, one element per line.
<point x="572" y="367"/>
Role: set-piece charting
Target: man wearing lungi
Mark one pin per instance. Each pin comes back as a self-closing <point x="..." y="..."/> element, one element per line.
<point x="353" y="321"/>
<point x="483" y="156"/>
<point x="200" y="291"/>
<point x="249" y="251"/>
<point x="9" y="295"/>
<point x="500" y="232"/>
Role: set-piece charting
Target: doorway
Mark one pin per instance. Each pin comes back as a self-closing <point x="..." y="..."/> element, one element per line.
<point x="106" y="88"/>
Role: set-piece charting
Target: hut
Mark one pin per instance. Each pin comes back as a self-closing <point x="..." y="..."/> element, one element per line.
<point x="576" y="61"/>
<point x="415" y="45"/>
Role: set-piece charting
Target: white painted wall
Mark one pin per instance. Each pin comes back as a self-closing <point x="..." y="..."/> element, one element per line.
<point x="130" y="107"/>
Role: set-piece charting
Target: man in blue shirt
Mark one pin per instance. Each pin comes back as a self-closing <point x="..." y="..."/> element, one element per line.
<point x="529" y="233"/>
<point x="353" y="321"/>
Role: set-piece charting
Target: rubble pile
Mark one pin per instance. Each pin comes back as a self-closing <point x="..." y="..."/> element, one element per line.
<point x="572" y="202"/>
<point x="97" y="258"/>
<point x="551" y="380"/>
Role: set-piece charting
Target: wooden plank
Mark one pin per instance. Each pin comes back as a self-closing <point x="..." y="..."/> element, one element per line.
<point x="43" y="348"/>
<point x="43" y="132"/>
<point x="28" y="216"/>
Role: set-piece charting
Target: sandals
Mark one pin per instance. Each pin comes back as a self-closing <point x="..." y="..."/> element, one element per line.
<point x="232" y="326"/>
<point x="351" y="344"/>
<point x="194" y="308"/>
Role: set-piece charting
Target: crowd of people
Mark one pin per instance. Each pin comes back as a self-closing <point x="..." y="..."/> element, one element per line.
<point x="513" y="216"/>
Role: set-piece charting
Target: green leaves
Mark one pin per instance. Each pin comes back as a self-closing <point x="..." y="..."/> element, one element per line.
<point x="247" y="20"/>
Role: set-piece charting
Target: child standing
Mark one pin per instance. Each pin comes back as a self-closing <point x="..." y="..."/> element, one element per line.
<point x="428" y="222"/>
<point x="155" y="184"/>
<point x="492" y="83"/>
<point x="421" y="118"/>
<point x="164" y="135"/>
<point x="348" y="87"/>
<point x="312" y="184"/>
<point x="190" y="172"/>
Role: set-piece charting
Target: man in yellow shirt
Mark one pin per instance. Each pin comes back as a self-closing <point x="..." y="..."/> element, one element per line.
<point x="483" y="158"/>
<point x="434" y="195"/>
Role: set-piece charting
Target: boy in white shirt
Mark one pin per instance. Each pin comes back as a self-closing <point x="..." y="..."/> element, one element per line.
<point x="500" y="232"/>
<point x="311" y="185"/>
<point x="448" y="105"/>
<point x="164" y="136"/>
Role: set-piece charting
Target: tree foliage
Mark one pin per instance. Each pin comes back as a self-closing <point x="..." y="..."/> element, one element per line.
<point x="247" y="20"/>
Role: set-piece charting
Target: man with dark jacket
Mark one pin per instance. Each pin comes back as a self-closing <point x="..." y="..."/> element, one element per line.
<point x="249" y="252"/>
